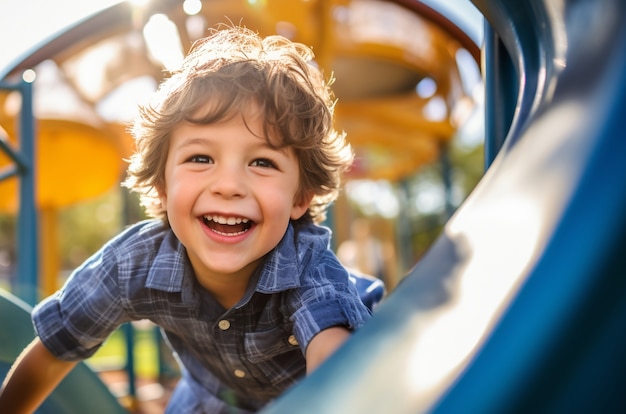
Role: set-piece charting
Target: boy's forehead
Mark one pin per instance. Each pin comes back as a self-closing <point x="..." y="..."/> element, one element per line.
<point x="252" y="115"/>
<point x="248" y="107"/>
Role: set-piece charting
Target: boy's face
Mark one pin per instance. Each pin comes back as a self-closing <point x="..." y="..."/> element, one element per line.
<point x="228" y="195"/>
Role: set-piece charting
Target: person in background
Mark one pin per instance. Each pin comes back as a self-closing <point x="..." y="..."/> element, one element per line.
<point x="365" y="253"/>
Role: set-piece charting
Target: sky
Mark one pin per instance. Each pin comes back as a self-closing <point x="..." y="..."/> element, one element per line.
<point x="25" y="23"/>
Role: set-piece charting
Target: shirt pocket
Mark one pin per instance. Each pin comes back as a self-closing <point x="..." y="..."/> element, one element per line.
<point x="276" y="354"/>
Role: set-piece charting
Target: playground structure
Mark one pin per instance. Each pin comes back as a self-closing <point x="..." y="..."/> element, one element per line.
<point x="17" y="332"/>
<point x="519" y="306"/>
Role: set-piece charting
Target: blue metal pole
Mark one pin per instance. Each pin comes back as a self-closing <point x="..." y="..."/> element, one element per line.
<point x="27" y="253"/>
<point x="24" y="283"/>
<point x="128" y="328"/>
<point x="500" y="94"/>
<point x="129" y="335"/>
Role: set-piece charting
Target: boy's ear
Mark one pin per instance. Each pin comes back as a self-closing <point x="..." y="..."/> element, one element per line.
<point x="301" y="205"/>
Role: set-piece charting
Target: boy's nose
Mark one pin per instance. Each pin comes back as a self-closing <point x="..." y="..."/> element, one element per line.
<point x="228" y="182"/>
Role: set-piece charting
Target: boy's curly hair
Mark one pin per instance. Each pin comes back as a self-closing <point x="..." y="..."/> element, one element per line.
<point x="229" y="69"/>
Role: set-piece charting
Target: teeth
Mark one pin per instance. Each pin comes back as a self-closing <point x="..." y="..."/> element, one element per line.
<point x="227" y="220"/>
<point x="229" y="234"/>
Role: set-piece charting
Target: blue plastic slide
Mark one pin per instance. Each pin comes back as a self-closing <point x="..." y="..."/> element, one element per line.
<point x="520" y="306"/>
<point x="80" y="392"/>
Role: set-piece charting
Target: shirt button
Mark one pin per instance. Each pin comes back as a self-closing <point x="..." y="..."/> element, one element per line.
<point x="239" y="373"/>
<point x="224" y="325"/>
<point x="292" y="340"/>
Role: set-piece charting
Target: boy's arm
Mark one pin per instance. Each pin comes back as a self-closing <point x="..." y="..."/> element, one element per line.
<point x="323" y="345"/>
<point x="33" y="376"/>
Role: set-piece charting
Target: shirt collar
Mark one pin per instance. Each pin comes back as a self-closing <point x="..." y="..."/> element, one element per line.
<point x="284" y="265"/>
<point x="171" y="271"/>
<point x="170" y="265"/>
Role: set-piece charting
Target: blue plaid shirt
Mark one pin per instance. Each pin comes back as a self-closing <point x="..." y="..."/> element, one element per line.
<point x="234" y="360"/>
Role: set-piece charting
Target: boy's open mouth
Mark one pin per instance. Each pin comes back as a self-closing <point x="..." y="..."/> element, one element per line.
<point x="227" y="226"/>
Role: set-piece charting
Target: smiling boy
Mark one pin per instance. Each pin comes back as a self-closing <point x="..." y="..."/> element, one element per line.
<point x="236" y="162"/>
<point x="229" y="197"/>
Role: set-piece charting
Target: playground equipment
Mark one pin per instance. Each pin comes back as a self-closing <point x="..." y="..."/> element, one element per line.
<point x="80" y="392"/>
<point x="520" y="305"/>
<point x="24" y="166"/>
<point x="74" y="162"/>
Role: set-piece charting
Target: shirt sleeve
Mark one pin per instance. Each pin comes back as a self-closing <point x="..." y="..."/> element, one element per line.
<point x="75" y="321"/>
<point x="325" y="299"/>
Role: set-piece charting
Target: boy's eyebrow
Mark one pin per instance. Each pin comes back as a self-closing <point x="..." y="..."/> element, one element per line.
<point x="283" y="149"/>
<point x="262" y="143"/>
<point x="192" y="141"/>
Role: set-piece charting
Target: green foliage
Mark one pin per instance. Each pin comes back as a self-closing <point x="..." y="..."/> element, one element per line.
<point x="84" y="227"/>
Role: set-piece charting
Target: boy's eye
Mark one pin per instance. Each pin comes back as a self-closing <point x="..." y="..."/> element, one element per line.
<point x="204" y="159"/>
<point x="263" y="162"/>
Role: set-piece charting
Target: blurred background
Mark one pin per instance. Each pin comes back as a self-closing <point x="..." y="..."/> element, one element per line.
<point x="410" y="98"/>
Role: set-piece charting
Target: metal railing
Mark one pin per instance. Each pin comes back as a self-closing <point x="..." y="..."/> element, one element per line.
<point x="24" y="281"/>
